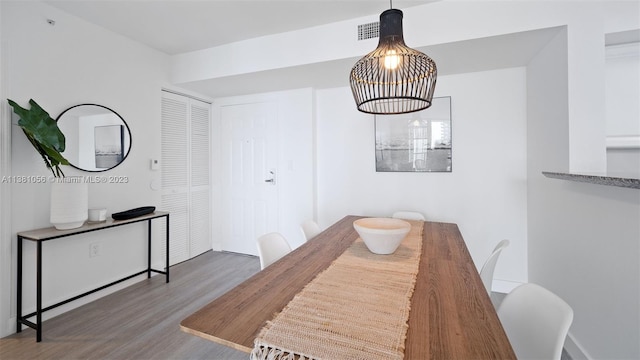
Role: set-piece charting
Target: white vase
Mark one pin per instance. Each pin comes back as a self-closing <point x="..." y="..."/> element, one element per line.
<point x="69" y="202"/>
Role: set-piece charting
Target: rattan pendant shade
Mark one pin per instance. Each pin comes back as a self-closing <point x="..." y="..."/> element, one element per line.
<point x="393" y="78"/>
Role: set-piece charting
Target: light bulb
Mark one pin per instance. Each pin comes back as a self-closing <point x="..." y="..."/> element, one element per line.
<point x="391" y="60"/>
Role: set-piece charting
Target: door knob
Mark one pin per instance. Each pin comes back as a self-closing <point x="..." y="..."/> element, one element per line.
<point x="272" y="179"/>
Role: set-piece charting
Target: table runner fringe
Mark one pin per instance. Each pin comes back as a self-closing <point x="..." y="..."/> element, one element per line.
<point x="265" y="352"/>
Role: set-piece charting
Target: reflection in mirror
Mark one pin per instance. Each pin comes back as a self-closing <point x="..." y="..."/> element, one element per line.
<point x="97" y="138"/>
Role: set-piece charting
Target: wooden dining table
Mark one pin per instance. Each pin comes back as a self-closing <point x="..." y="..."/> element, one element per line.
<point x="451" y="316"/>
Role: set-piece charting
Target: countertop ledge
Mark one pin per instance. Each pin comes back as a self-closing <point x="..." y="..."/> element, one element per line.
<point x="609" y="180"/>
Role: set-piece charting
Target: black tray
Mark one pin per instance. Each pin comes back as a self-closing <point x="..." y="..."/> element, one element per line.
<point x="130" y="214"/>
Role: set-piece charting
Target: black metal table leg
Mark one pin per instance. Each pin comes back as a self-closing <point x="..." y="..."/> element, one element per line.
<point x="19" y="287"/>
<point x="149" y="249"/>
<point x="39" y="293"/>
<point x="167" y="250"/>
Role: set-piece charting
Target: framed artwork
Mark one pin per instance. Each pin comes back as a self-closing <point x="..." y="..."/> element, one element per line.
<point x="415" y="142"/>
<point x="109" y="145"/>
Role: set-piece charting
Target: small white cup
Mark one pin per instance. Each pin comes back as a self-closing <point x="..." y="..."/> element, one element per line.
<point x="98" y="214"/>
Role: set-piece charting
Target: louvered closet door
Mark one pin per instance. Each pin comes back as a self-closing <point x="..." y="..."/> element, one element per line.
<point x="174" y="169"/>
<point x="185" y="174"/>
<point x="200" y="184"/>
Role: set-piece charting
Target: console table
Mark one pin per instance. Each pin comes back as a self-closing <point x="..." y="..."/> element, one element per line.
<point x="41" y="235"/>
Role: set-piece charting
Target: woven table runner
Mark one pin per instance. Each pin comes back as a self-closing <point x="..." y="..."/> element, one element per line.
<point x="355" y="309"/>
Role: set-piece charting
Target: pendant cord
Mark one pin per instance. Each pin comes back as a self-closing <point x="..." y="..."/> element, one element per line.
<point x="390" y="4"/>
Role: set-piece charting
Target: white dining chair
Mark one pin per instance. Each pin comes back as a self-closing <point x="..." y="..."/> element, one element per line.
<point x="310" y="229"/>
<point x="536" y="322"/>
<point x="271" y="247"/>
<point x="408" y="215"/>
<point x="486" y="273"/>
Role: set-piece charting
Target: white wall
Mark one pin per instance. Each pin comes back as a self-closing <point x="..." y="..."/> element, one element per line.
<point x="485" y="194"/>
<point x="59" y="66"/>
<point x="296" y="163"/>
<point x="586" y="249"/>
<point x="5" y="201"/>
<point x="622" y="81"/>
<point x="583" y="238"/>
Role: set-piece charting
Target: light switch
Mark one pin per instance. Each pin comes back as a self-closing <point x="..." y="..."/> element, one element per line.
<point x="155" y="164"/>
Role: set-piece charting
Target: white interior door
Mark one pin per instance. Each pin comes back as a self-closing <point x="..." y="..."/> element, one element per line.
<point x="249" y="163"/>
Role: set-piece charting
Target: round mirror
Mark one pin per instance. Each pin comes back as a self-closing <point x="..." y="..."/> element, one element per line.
<point x="97" y="138"/>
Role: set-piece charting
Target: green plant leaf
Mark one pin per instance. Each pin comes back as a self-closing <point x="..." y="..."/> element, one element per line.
<point x="40" y="125"/>
<point x="43" y="133"/>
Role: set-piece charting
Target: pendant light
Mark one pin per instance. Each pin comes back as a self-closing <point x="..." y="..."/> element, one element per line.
<point x="393" y="78"/>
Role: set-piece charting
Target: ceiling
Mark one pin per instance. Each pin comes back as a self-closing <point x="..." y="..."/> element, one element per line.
<point x="178" y="26"/>
<point x="483" y="54"/>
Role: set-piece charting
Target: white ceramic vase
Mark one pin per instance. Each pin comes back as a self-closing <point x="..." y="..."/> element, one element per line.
<point x="69" y="202"/>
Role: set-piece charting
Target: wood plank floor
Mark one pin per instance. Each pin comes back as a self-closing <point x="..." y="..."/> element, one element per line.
<point x="142" y="320"/>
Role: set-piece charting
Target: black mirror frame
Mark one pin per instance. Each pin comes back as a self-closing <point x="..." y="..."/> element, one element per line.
<point x="125" y="124"/>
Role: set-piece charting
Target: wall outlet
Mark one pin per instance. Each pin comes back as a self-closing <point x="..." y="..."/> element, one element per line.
<point x="94" y="250"/>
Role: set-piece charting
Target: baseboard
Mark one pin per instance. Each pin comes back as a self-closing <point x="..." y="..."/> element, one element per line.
<point x="504" y="286"/>
<point x="9" y="327"/>
<point x="574" y="349"/>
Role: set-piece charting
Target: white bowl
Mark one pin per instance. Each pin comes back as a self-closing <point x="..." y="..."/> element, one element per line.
<point x="382" y="235"/>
